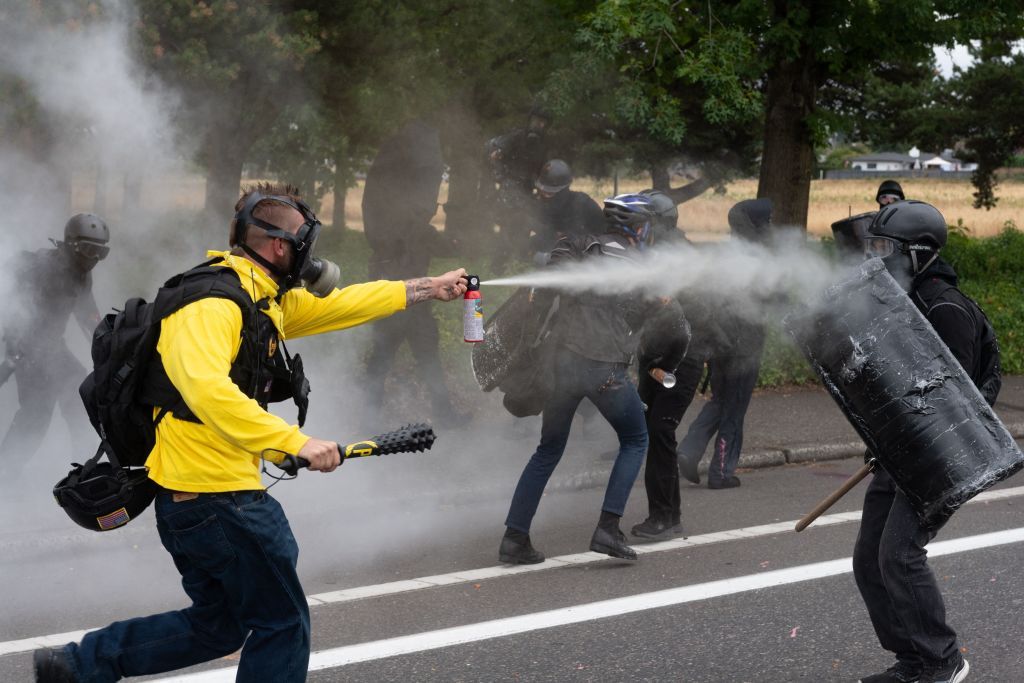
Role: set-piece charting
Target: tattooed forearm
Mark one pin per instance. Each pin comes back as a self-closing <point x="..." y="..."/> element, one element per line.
<point x="420" y="289"/>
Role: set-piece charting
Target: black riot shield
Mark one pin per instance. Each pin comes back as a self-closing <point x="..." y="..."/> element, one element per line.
<point x="517" y="353"/>
<point x="518" y="327"/>
<point x="906" y="395"/>
<point x="849" y="234"/>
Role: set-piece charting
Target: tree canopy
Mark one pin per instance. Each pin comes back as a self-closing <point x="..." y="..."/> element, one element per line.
<point x="308" y="88"/>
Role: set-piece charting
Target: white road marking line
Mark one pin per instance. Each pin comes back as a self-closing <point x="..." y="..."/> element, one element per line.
<point x="498" y="628"/>
<point x="470" y="575"/>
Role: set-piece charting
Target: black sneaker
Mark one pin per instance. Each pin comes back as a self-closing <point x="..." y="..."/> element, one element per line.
<point x="52" y="666"/>
<point x="951" y="673"/>
<point x="517" y="549"/>
<point x="900" y="672"/>
<point x="727" y="483"/>
<point x="611" y="543"/>
<point x="688" y="469"/>
<point x="656" y="529"/>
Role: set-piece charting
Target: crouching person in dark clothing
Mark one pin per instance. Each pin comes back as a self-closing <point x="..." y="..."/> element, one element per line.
<point x="732" y="370"/>
<point x="890" y="562"/>
<point x="597" y="336"/>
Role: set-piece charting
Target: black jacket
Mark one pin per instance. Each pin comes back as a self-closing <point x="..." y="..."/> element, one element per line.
<point x="520" y="155"/>
<point x="53" y="289"/>
<point x="607" y="328"/>
<point x="566" y="213"/>
<point x="956" y="318"/>
<point x="400" y="194"/>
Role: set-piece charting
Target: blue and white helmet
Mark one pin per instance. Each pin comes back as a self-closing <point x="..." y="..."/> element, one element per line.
<point x="631" y="215"/>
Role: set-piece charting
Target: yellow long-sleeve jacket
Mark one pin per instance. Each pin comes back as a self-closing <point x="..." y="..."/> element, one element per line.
<point x="198" y="345"/>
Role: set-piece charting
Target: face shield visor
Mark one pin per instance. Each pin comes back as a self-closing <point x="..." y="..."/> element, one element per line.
<point x="879" y="247"/>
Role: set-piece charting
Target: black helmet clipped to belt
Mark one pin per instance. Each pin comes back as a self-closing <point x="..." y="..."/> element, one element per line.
<point x="101" y="496"/>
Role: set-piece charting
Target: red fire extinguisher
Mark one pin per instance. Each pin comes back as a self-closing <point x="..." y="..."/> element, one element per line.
<point x="473" y="311"/>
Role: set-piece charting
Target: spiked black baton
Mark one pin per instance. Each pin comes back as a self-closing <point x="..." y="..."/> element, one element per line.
<point x="412" y="438"/>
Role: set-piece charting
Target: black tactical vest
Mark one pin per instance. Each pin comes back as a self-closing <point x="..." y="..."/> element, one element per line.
<point x="263" y="370"/>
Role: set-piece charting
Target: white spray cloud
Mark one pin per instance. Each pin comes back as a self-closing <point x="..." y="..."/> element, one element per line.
<point x="735" y="270"/>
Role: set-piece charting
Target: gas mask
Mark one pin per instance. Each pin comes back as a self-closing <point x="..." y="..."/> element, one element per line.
<point x="903" y="261"/>
<point x="318" y="276"/>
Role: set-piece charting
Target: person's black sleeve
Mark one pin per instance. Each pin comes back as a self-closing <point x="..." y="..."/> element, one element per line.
<point x="87" y="312"/>
<point x="956" y="327"/>
<point x="665" y="337"/>
<point x="591" y="214"/>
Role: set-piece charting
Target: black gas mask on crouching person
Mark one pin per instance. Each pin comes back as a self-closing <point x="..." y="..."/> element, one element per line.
<point x="318" y="276"/>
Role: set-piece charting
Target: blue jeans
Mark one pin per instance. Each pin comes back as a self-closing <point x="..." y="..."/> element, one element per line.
<point x="732" y="385"/>
<point x="608" y="387"/>
<point x="237" y="556"/>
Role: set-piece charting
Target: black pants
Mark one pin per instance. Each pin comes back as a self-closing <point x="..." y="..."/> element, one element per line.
<point x="415" y="326"/>
<point x="44" y="381"/>
<point x="890" y="565"/>
<point x="732" y="384"/>
<point x="665" y="408"/>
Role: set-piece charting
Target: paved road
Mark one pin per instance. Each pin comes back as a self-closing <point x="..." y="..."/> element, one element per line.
<point x="708" y="611"/>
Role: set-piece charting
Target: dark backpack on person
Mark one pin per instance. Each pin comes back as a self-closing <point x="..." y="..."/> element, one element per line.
<point x="126" y="384"/>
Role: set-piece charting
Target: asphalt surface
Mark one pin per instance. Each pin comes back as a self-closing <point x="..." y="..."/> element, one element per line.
<point x="399" y="519"/>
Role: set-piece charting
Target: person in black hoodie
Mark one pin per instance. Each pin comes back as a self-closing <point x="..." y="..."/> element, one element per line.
<point x="890" y="563"/>
<point x="732" y="369"/>
<point x="560" y="210"/>
<point x="596" y="339"/>
<point x="667" y="404"/>
<point x="399" y="201"/>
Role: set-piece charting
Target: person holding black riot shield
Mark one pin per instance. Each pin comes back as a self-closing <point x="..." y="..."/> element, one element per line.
<point x="890" y="562"/>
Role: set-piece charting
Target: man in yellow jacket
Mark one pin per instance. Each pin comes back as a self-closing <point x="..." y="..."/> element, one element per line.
<point x="229" y="539"/>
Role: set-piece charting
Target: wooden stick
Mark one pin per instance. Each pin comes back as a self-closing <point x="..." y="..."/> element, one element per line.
<point x="835" y="496"/>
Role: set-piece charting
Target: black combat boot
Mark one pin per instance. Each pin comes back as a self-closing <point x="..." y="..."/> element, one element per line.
<point x="517" y="549"/>
<point x="608" y="539"/>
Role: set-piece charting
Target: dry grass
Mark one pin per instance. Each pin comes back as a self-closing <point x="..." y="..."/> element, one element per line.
<point x="703" y="218"/>
<point x="831" y="200"/>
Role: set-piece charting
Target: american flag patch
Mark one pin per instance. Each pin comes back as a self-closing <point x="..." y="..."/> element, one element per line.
<point x="113" y="520"/>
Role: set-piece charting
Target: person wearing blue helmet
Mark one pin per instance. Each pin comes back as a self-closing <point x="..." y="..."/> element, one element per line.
<point x="596" y="335"/>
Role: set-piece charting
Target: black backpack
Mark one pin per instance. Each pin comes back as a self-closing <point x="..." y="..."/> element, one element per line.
<point x="124" y="386"/>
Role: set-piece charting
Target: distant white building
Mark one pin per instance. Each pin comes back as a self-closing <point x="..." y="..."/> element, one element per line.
<point x="912" y="161"/>
<point x="882" y="161"/>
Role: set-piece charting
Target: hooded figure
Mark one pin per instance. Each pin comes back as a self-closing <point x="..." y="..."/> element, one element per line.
<point x="888" y="192"/>
<point x="732" y="370"/>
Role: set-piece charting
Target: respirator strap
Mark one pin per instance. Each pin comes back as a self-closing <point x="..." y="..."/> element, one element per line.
<point x="262" y="261"/>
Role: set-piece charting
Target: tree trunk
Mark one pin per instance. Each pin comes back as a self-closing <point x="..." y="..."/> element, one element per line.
<point x="342" y="176"/>
<point x="132" y="204"/>
<point x="788" y="157"/>
<point x="660" y="179"/>
<point x="465" y="221"/>
<point x="224" y="158"/>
